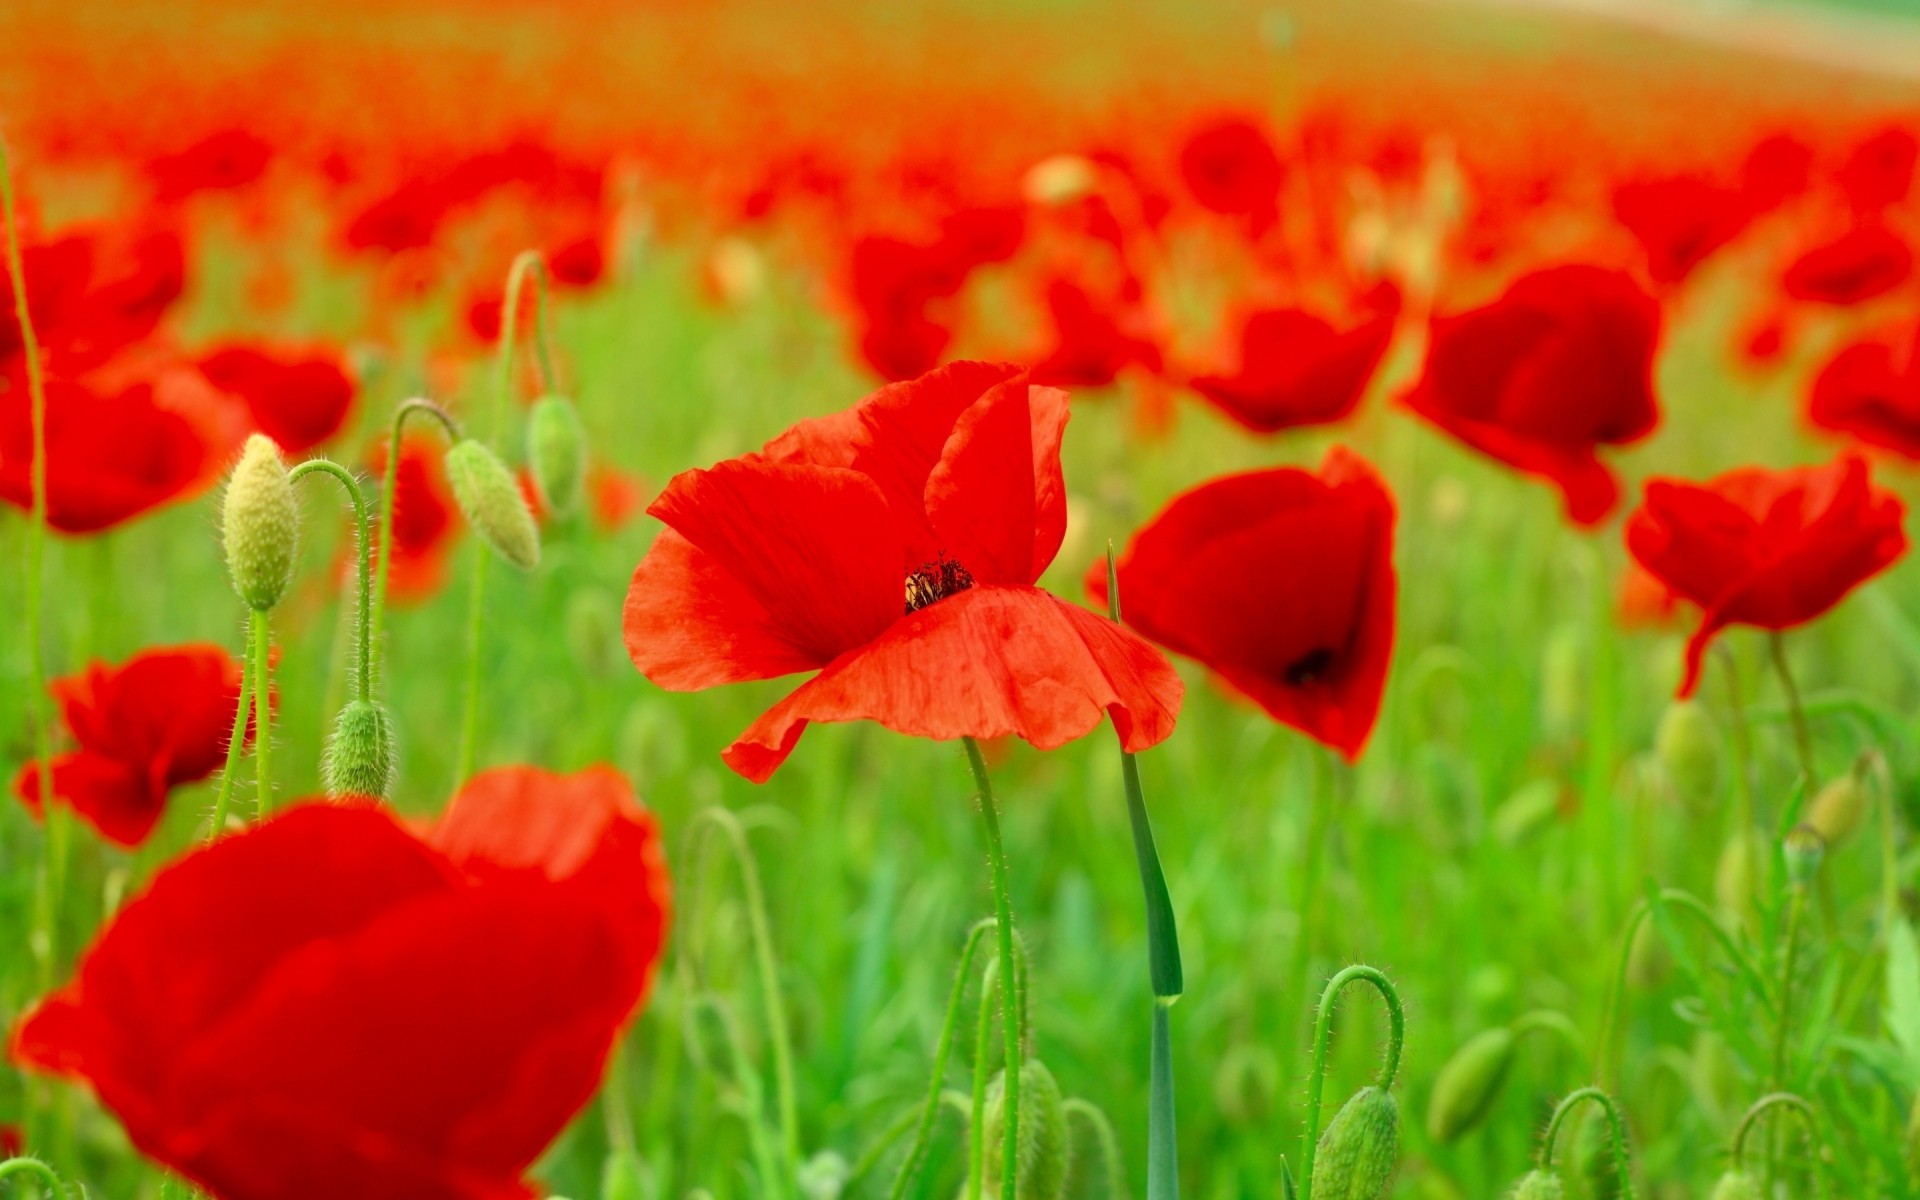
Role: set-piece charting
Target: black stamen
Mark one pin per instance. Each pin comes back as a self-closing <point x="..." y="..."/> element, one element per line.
<point x="1308" y="667"/>
<point x="935" y="581"/>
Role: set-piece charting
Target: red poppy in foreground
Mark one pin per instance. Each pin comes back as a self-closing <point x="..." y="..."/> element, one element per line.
<point x="1871" y="390"/>
<point x="1864" y="262"/>
<point x="1296" y="369"/>
<point x="1541" y="378"/>
<point x="159" y="720"/>
<point x="893" y="547"/>
<point x="1282" y="583"/>
<point x="298" y="400"/>
<point x="1770" y="549"/>
<point x="328" y="1005"/>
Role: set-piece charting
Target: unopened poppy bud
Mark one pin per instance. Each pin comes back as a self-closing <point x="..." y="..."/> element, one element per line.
<point x="1360" y="1150"/>
<point x="1593" y="1158"/>
<point x="1736" y="1185"/>
<point x="1540" y="1185"/>
<point x="823" y="1177"/>
<point x="1563" y="687"/>
<point x="359" y="759"/>
<point x="1688" y="747"/>
<point x="1733" y="875"/>
<point x="1803" y="848"/>
<point x="1648" y="959"/>
<point x="1045" y="1151"/>
<point x="1531" y="807"/>
<point x="493" y="503"/>
<point x="623" y="1177"/>
<point x="260" y="524"/>
<point x="557" y="452"/>
<point x="1839" y="810"/>
<point x="1469" y="1083"/>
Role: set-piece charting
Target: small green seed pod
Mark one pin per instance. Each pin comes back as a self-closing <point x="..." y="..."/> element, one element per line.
<point x="359" y="758"/>
<point x="1469" y="1083"/>
<point x="1803" y="848"/>
<point x="1539" y="1185"/>
<point x="557" y="452"/>
<point x="1045" y="1152"/>
<point x="1736" y="1185"/>
<point x="1359" y="1152"/>
<point x="1687" y="745"/>
<point x="260" y="524"/>
<point x="1839" y="810"/>
<point x="493" y="504"/>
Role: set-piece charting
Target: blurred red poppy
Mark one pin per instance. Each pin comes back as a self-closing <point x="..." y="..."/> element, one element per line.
<point x="1879" y="172"/>
<point x="1864" y="262"/>
<point x="1771" y="549"/>
<point x="1679" y="221"/>
<point x="1296" y="369"/>
<point x="229" y="158"/>
<point x="893" y="547"/>
<point x="383" y="1015"/>
<point x="1092" y="341"/>
<point x="159" y="720"/>
<point x="1871" y="390"/>
<point x="1230" y="167"/>
<point x="94" y="290"/>
<point x="1281" y="582"/>
<point x="1558" y="366"/>
<point x="1778" y="168"/>
<point x="423" y="511"/>
<point x="297" y="399"/>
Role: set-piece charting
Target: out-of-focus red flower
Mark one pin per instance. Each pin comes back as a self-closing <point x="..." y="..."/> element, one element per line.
<point x="1558" y="366"/>
<point x="12" y="1141"/>
<point x="1230" y="167"/>
<point x="578" y="263"/>
<point x="1281" y="582"/>
<point x="895" y="282"/>
<point x="1871" y="391"/>
<point x="95" y="290"/>
<point x="297" y="399"/>
<point x="1864" y="262"/>
<point x="230" y="158"/>
<point x="1296" y="369"/>
<point x="893" y="547"/>
<point x="1645" y="602"/>
<point x="612" y="495"/>
<point x="1771" y="549"/>
<point x="1879" y="172"/>
<point x="157" y="721"/>
<point x="1765" y="341"/>
<point x="1679" y="221"/>
<point x="1778" y="168"/>
<point x="383" y="1015"/>
<point x="406" y="218"/>
<point x="423" y="517"/>
<point x="1092" y="343"/>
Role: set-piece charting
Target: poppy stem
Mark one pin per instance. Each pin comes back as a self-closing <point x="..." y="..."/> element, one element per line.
<point x="364" y="670"/>
<point x="527" y="262"/>
<point x="262" y="713"/>
<point x="1616" y="1130"/>
<point x="1803" y="741"/>
<point x="923" y="1129"/>
<point x="1011" y="1002"/>
<point x="470" y="709"/>
<point x="977" y="1120"/>
<point x="49" y="1181"/>
<point x="241" y="712"/>
<point x="1322" y="1039"/>
<point x="1796" y="910"/>
<point x="391" y="481"/>
<point x="1308" y="898"/>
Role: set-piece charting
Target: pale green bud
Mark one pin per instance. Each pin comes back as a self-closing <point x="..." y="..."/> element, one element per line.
<point x="1467" y="1086"/>
<point x="260" y="524"/>
<point x="359" y="758"/>
<point x="493" y="504"/>
<point x="1359" y="1152"/>
<point x="557" y="452"/>
<point x="1839" y="810"/>
<point x="1539" y="1185"/>
<point x="1687" y="744"/>
<point x="1736" y="1185"/>
<point x="1044" y="1151"/>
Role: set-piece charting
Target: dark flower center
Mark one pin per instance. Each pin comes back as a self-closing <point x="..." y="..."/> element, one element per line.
<point x="1309" y="667"/>
<point x="935" y="581"/>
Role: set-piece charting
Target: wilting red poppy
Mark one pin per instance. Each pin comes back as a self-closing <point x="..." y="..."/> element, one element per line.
<point x="382" y="1015"/>
<point x="1279" y="581"/>
<point x="298" y="400"/>
<point x="1879" y="172"/>
<point x="1679" y="221"/>
<point x="1771" y="549"/>
<point x="1295" y="368"/>
<point x="423" y="511"/>
<point x="893" y="547"/>
<point x="157" y="721"/>
<point x="1230" y="167"/>
<point x="1092" y="343"/>
<point x="1864" y="262"/>
<point x="1871" y="390"/>
<point x="230" y="158"/>
<point x="1542" y="377"/>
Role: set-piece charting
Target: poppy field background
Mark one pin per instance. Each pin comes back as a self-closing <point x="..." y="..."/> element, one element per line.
<point x="1442" y="287"/>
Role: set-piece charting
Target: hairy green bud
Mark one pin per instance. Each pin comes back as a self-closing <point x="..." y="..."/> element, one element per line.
<point x="1687" y="744"/>
<point x="493" y="504"/>
<point x="1469" y="1083"/>
<point x="557" y="452"/>
<point x="1045" y="1151"/>
<point x="359" y="758"/>
<point x="1593" y="1157"/>
<point x="1359" y="1152"/>
<point x="1736" y="1185"/>
<point x="1839" y="810"/>
<point x="1540" y="1185"/>
<point x="260" y="524"/>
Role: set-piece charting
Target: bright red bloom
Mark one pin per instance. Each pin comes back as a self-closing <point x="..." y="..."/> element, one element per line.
<point x="1771" y="549"/>
<point x="1871" y="390"/>
<point x="157" y="721"/>
<point x="382" y="1015"/>
<point x="1864" y="262"/>
<point x="893" y="547"/>
<point x="1680" y="221"/>
<point x="1541" y="378"/>
<point x="298" y="400"/>
<point x="1296" y="369"/>
<point x="1879" y="173"/>
<point x="228" y="159"/>
<point x="1280" y="581"/>
<point x="1230" y="167"/>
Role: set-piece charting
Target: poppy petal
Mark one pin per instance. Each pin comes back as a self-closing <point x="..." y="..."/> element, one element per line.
<point x="996" y="499"/>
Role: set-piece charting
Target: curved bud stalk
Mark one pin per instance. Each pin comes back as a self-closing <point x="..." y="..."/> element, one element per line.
<point x="23" y="1167"/>
<point x="943" y="1048"/>
<point x="1616" y="1134"/>
<point x="1737" y="1176"/>
<point x="1362" y="1144"/>
<point x="388" y="486"/>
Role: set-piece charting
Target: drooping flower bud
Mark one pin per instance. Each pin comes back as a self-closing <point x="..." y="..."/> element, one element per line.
<point x="1839" y="810"/>
<point x="260" y="524"/>
<point x="623" y="1177"/>
<point x="1688" y="747"/>
<point x="557" y="452"/>
<point x="1359" y="1152"/>
<point x="359" y="758"/>
<point x="1648" y="959"/>
<point x="1803" y="848"/>
<point x="1736" y="1185"/>
<point x="1469" y="1083"/>
<point x="1045" y="1151"/>
<point x="1539" y="1185"/>
<point x="1733" y="875"/>
<point x="1593" y="1158"/>
<point x="492" y="503"/>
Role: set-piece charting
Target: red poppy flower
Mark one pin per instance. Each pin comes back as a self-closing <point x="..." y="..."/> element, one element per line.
<point x="1230" y="167"/>
<point x="1091" y="341"/>
<point x="159" y="720"/>
<point x="1864" y="262"/>
<point x="423" y="517"/>
<point x="1880" y="171"/>
<point x="230" y="158"/>
<point x="1643" y="601"/>
<point x="1871" y="390"/>
<point x="893" y="547"/>
<point x="1297" y="369"/>
<point x="1282" y="583"/>
<point x="1771" y="549"/>
<point x="383" y="1015"/>
<point x="1542" y="377"/>
<point x="93" y="291"/>
<point x="297" y="400"/>
<point x="1777" y="169"/>
<point x="1679" y="221"/>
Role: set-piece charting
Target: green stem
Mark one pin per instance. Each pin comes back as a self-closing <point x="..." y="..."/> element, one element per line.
<point x="1010" y="1002"/>
<point x="49" y="1182"/>
<point x="977" y="1120"/>
<point x="241" y="711"/>
<point x="1747" y="813"/>
<point x="262" y="713"/>
<point x="389" y="484"/>
<point x="470" y="709"/>
<point x="1802" y="740"/>
<point x="1616" y="1129"/>
<point x="1808" y="1116"/>
<point x="943" y="1048"/>
<point x="1308" y="898"/>
<point x="1163" y="1145"/>
<point x="525" y="263"/>
<point x="1322" y="1038"/>
<point x="364" y="667"/>
<point x="1796" y="908"/>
